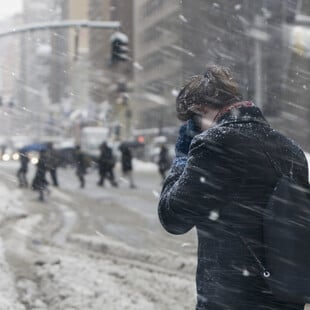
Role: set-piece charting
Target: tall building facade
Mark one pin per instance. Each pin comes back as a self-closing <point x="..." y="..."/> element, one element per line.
<point x="109" y="81"/>
<point x="10" y="60"/>
<point x="77" y="92"/>
<point x="295" y="106"/>
<point x="59" y="61"/>
<point x="158" y="50"/>
<point x="99" y="51"/>
<point x="252" y="37"/>
<point x="35" y="70"/>
<point x="11" y="115"/>
<point x="123" y="11"/>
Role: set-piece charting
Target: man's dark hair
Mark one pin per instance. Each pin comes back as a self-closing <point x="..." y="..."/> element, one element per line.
<point x="216" y="88"/>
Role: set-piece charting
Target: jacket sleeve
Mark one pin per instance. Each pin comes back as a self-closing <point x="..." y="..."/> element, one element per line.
<point x="196" y="192"/>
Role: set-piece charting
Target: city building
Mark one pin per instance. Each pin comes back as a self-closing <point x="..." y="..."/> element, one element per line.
<point x="253" y="38"/>
<point x="59" y="60"/>
<point x="10" y="60"/>
<point x="158" y="55"/>
<point x="11" y="113"/>
<point x="295" y="108"/>
<point x="35" y="59"/>
<point x="99" y="51"/>
<point x="109" y="82"/>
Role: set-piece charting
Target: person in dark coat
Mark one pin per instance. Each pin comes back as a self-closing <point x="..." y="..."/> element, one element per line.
<point x="126" y="161"/>
<point x="52" y="163"/>
<point x="106" y="163"/>
<point x="22" y="171"/>
<point x="163" y="161"/>
<point x="81" y="165"/>
<point x="219" y="183"/>
<point x="39" y="182"/>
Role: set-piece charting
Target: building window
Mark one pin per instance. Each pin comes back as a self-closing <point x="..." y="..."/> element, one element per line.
<point x="151" y="7"/>
<point x="152" y="34"/>
<point x="153" y="61"/>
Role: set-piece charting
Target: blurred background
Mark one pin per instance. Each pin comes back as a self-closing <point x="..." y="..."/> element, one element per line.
<point x="56" y="81"/>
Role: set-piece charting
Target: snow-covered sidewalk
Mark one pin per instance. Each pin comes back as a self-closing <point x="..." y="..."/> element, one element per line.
<point x="80" y="272"/>
<point x="10" y="207"/>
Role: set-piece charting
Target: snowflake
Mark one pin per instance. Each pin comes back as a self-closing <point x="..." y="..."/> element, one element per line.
<point x="214" y="215"/>
<point x="245" y="273"/>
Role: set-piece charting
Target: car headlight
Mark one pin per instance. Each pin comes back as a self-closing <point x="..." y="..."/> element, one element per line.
<point x="6" y="157"/>
<point x="15" y="156"/>
<point x="34" y="160"/>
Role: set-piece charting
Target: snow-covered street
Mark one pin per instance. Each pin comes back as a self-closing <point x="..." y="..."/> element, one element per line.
<point x="99" y="248"/>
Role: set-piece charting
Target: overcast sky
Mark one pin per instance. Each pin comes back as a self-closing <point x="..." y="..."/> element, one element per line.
<point x="10" y="7"/>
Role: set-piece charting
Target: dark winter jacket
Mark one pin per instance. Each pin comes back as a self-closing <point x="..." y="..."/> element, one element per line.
<point x="106" y="160"/>
<point x="52" y="159"/>
<point x="39" y="182"/>
<point x="24" y="160"/>
<point x="81" y="164"/>
<point x="126" y="159"/>
<point x="164" y="161"/>
<point x="226" y="182"/>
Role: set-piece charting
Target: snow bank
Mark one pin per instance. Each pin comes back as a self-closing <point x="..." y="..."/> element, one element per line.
<point x="103" y="244"/>
<point x="80" y="281"/>
<point x="143" y="166"/>
<point x="8" y="296"/>
<point x="10" y="207"/>
<point x="11" y="203"/>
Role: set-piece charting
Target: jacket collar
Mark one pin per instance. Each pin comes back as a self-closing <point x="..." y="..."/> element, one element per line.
<point x="240" y="112"/>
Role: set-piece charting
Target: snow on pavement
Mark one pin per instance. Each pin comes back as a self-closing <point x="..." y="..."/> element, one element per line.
<point x="10" y="207"/>
<point x="11" y="203"/>
<point x="8" y="294"/>
<point x="83" y="281"/>
<point x="87" y="272"/>
<point x="91" y="272"/>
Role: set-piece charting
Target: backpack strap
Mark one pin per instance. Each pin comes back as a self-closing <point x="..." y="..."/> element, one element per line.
<point x="264" y="272"/>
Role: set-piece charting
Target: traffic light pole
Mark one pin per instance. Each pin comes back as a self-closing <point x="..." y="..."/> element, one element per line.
<point x="114" y="25"/>
<point x="302" y="20"/>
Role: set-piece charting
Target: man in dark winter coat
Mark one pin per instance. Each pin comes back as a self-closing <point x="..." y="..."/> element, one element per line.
<point x="22" y="171"/>
<point x="39" y="182"/>
<point x="219" y="183"/>
<point x="52" y="163"/>
<point x="126" y="161"/>
<point x="163" y="161"/>
<point x="106" y="164"/>
<point x="81" y="165"/>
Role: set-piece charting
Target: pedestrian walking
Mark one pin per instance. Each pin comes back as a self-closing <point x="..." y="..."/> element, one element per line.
<point x="126" y="160"/>
<point x="219" y="183"/>
<point x="164" y="161"/>
<point x="22" y="171"/>
<point x="39" y="182"/>
<point x="106" y="163"/>
<point x="81" y="165"/>
<point x="52" y="162"/>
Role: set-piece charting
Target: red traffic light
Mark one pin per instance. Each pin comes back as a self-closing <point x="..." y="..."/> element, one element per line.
<point x="140" y="139"/>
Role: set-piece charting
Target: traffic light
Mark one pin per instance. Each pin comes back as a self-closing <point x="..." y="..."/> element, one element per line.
<point x="292" y="8"/>
<point x="119" y="47"/>
<point x="141" y="139"/>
